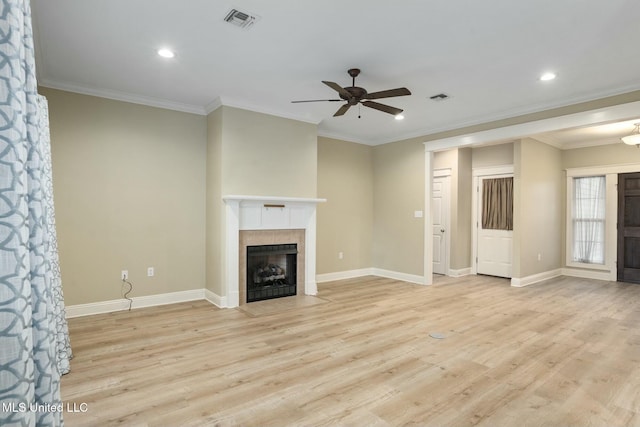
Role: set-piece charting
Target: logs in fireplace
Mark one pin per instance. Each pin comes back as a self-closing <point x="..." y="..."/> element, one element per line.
<point x="271" y="271"/>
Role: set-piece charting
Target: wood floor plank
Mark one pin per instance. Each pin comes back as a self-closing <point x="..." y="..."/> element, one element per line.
<point x="562" y="352"/>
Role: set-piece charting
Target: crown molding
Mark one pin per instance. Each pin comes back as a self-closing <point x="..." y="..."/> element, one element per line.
<point x="420" y="133"/>
<point x="245" y="105"/>
<point x="124" y="96"/>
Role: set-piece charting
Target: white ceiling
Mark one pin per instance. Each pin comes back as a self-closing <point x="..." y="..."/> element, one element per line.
<point x="487" y="55"/>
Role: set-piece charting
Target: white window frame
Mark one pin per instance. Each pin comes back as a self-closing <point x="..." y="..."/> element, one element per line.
<point x="611" y="214"/>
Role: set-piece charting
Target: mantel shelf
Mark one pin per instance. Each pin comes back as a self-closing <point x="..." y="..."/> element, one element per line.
<point x="272" y="199"/>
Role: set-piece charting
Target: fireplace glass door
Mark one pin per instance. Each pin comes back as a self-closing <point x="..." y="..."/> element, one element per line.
<point x="271" y="271"/>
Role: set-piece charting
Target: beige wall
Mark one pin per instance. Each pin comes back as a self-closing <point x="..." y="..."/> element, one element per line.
<point x="461" y="256"/>
<point x="611" y="154"/>
<point x="459" y="161"/>
<point x="266" y="155"/>
<point x="538" y="207"/>
<point x="493" y="155"/>
<point x="345" y="221"/>
<point x="215" y="238"/>
<point x="129" y="188"/>
<point x="602" y="155"/>
<point x="398" y="237"/>
<point x="253" y="154"/>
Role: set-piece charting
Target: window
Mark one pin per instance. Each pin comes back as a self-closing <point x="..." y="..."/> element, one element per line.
<point x="588" y="219"/>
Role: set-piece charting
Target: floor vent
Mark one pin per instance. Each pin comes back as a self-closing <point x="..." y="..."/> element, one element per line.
<point x="241" y="19"/>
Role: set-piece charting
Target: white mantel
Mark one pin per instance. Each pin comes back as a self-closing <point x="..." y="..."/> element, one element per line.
<point x="267" y="213"/>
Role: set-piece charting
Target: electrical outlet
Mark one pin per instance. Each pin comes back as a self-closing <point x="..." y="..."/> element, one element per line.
<point x="150" y="272"/>
<point x="124" y="275"/>
<point x="340" y="255"/>
<point x="539" y="257"/>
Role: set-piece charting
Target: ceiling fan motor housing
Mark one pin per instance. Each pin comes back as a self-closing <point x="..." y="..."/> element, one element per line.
<point x="357" y="93"/>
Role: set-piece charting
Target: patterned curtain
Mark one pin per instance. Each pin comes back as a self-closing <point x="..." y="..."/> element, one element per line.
<point x="34" y="339"/>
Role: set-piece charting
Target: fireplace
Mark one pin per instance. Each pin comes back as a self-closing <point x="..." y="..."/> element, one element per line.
<point x="267" y="220"/>
<point x="271" y="271"/>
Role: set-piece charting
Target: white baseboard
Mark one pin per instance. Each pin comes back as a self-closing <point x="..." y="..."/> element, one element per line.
<point x="138" y="302"/>
<point x="350" y="274"/>
<point x="215" y="299"/>
<point x="587" y="274"/>
<point x="412" y="278"/>
<point x="518" y="282"/>
<point x="460" y="272"/>
<point x="342" y="275"/>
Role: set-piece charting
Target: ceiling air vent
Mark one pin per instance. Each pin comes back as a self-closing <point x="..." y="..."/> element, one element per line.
<point x="241" y="19"/>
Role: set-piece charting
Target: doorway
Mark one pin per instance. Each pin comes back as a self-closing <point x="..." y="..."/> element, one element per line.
<point x="628" y="227"/>
<point x="493" y="236"/>
<point x="440" y="215"/>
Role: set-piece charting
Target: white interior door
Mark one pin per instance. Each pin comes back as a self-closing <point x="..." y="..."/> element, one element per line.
<point x="494" y="247"/>
<point x="440" y="215"/>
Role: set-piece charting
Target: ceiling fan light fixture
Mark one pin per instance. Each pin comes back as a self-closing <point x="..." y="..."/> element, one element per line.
<point x="634" y="137"/>
<point x="399" y="117"/>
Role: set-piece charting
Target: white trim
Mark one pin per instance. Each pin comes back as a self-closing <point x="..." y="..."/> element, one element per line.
<point x="342" y="275"/>
<point x="479" y="173"/>
<point x="440" y="173"/>
<point x="213" y="106"/>
<point x="215" y="299"/>
<point x="535" y="278"/>
<point x="310" y="285"/>
<point x="461" y="272"/>
<point x="243" y="212"/>
<point x="241" y="198"/>
<point x="493" y="170"/>
<point x="125" y="97"/>
<point x="379" y="272"/>
<point x="611" y="222"/>
<point x="427" y="279"/>
<point x="246" y="105"/>
<point x="603" y="170"/>
<point x="342" y="137"/>
<point x="522" y="130"/>
<point x="587" y="274"/>
<point x="405" y="277"/>
<point x="231" y="273"/>
<point x="138" y="302"/>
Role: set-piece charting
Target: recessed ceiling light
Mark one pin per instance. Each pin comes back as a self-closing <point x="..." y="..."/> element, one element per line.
<point x="548" y="76"/>
<point x="399" y="117"/>
<point x="166" y="53"/>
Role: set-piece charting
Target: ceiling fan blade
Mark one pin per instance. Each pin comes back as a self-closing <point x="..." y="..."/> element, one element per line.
<point x="342" y="110"/>
<point x="381" y="107"/>
<point x="317" y="100"/>
<point x="401" y="91"/>
<point x="338" y="88"/>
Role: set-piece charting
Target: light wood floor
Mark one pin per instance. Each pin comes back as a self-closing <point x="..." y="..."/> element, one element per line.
<point x="561" y="353"/>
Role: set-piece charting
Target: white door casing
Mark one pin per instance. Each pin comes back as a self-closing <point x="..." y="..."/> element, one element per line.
<point x="493" y="249"/>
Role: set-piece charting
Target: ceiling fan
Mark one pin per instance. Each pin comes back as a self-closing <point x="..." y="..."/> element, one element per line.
<point x="355" y="95"/>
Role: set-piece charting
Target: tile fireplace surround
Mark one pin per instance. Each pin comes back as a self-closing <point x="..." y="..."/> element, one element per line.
<point x="271" y="219"/>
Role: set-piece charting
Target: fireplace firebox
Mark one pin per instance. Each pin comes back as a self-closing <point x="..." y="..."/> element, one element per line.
<point x="271" y="271"/>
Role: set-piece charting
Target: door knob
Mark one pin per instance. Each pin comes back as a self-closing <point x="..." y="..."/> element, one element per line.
<point x="442" y="230"/>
